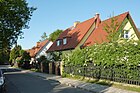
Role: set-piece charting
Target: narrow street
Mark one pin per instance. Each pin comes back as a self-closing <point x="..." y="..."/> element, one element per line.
<point x="18" y="82"/>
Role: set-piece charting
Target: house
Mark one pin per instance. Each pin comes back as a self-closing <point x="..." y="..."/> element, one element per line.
<point x="91" y="31"/>
<point x="125" y="25"/>
<point x="40" y="49"/>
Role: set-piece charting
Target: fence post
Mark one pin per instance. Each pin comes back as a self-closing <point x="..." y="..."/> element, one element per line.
<point x="112" y="73"/>
<point x="99" y="72"/>
<point x="61" y="68"/>
<point x="84" y="71"/>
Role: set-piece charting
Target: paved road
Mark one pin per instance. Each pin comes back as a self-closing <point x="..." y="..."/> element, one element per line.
<point x="18" y="82"/>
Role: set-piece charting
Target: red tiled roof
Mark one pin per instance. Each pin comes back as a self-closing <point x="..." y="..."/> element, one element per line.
<point x="99" y="35"/>
<point x="37" y="48"/>
<point x="74" y="35"/>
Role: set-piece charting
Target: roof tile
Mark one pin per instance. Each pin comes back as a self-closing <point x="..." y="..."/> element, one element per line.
<point x="99" y="35"/>
<point x="74" y="36"/>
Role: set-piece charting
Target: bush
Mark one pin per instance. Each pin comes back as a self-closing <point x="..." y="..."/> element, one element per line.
<point x="114" y="61"/>
<point x="126" y="54"/>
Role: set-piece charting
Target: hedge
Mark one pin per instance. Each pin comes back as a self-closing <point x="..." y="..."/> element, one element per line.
<point x="126" y="54"/>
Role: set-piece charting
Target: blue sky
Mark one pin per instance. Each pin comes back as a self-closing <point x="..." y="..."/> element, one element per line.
<point x="61" y="14"/>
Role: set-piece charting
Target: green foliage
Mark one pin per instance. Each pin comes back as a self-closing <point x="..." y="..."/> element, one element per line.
<point x="15" y="52"/>
<point x="44" y="37"/>
<point x="126" y="54"/>
<point x="42" y="59"/>
<point x="55" y="56"/>
<point x="107" y="60"/>
<point x="18" y="55"/>
<point x="23" y="59"/>
<point x="74" y="58"/>
<point x="111" y="29"/>
<point x="4" y="57"/>
<point x="116" y="30"/>
<point x="21" y="52"/>
<point x="53" y="36"/>
<point x="14" y="16"/>
<point x="1" y="0"/>
<point x="25" y="56"/>
<point x="118" y="58"/>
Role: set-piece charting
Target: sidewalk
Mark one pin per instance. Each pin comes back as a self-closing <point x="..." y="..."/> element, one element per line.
<point x="95" y="88"/>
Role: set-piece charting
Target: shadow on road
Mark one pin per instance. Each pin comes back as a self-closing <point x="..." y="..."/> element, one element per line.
<point x="10" y="70"/>
<point x="28" y="83"/>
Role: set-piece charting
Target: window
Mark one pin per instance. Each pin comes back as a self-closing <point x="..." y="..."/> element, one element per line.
<point x="65" y="41"/>
<point x="126" y="36"/>
<point x="58" y="42"/>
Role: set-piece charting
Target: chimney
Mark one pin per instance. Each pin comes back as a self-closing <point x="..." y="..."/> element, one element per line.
<point x="97" y="20"/>
<point x="37" y="44"/>
<point x="97" y="15"/>
<point x="76" y="23"/>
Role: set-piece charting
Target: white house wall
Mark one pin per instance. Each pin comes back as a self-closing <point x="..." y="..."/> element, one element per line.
<point x="44" y="49"/>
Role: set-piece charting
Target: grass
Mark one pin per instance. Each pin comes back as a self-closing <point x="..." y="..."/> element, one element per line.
<point x="127" y="87"/>
<point x="105" y="82"/>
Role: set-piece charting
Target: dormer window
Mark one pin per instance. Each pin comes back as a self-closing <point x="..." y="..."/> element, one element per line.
<point x="126" y="36"/>
<point x="64" y="41"/>
<point x="58" y="42"/>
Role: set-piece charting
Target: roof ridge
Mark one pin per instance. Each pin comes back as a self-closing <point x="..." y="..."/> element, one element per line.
<point x="116" y="16"/>
<point x="79" y="23"/>
<point x="44" y="40"/>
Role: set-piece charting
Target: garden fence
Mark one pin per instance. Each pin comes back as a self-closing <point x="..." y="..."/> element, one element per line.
<point x="117" y="74"/>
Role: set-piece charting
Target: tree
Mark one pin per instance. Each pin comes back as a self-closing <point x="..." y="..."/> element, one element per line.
<point x="53" y="36"/>
<point x="116" y="31"/>
<point x="15" y="52"/>
<point x="14" y="16"/>
<point x="111" y="28"/>
<point x="23" y="60"/>
<point x="44" y="37"/>
<point x="1" y="0"/>
<point x="25" y="56"/>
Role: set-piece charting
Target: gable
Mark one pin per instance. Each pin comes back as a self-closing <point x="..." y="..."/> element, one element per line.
<point x="99" y="35"/>
<point x="134" y="26"/>
<point x="38" y="48"/>
<point x="43" y="50"/>
<point x="131" y="31"/>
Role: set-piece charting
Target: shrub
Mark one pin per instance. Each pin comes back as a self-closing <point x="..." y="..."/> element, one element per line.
<point x="126" y="54"/>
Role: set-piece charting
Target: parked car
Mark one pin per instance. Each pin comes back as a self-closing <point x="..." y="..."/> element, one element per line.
<point x="2" y="81"/>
